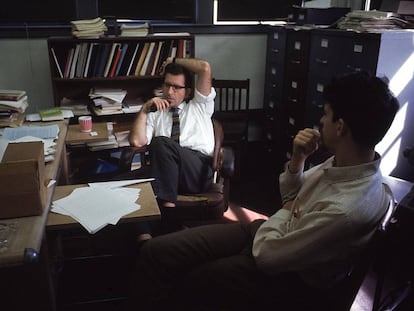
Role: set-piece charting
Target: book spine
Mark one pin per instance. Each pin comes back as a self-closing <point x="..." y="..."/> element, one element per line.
<point x="131" y="62"/>
<point x="110" y="59"/>
<point x="141" y="58"/>
<point x="121" y="60"/>
<point x="88" y="60"/>
<point x="74" y="61"/>
<point x="117" y="56"/>
<point x="143" y="70"/>
<point x="52" y="50"/>
<point x="68" y="63"/>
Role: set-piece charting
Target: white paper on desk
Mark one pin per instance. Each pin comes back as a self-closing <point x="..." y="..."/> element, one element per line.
<point x="95" y="207"/>
<point x="47" y="131"/>
<point x="119" y="183"/>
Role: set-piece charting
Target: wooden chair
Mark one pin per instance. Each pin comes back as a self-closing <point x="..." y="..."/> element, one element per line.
<point x="232" y="110"/>
<point x="202" y="206"/>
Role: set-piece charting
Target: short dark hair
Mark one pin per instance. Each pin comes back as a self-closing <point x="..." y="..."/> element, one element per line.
<point x="176" y="69"/>
<point x="366" y="105"/>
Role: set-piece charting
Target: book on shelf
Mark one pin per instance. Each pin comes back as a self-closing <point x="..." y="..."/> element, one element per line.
<point x="52" y="50"/>
<point x="109" y="59"/>
<point x="144" y="67"/>
<point x="68" y="64"/>
<point x="115" y="62"/>
<point x="80" y="65"/>
<point x="124" y="50"/>
<point x="156" y="64"/>
<point x="141" y="59"/>
<point x="51" y="114"/>
<point x="131" y="68"/>
<point x="89" y="60"/>
<point x="75" y="58"/>
<point x="12" y="95"/>
<point x="152" y="59"/>
<point x="103" y="59"/>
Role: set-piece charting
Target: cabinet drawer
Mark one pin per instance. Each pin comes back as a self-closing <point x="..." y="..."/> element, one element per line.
<point x="316" y="86"/>
<point x="273" y="102"/>
<point x="276" y="47"/>
<point x="297" y="46"/>
<point x="295" y="88"/>
<point x="361" y="54"/>
<point x="326" y="54"/>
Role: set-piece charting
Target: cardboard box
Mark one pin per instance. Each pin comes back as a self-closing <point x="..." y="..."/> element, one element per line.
<point x="22" y="180"/>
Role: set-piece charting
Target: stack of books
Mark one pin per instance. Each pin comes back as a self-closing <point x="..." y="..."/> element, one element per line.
<point x="371" y="21"/>
<point x="13" y="104"/>
<point x="88" y="28"/>
<point x="134" y="30"/>
<point x="107" y="101"/>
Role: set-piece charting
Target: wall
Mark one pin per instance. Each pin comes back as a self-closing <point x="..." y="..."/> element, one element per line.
<point x="236" y="57"/>
<point x="24" y="64"/>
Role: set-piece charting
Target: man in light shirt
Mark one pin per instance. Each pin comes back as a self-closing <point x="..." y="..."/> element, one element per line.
<point x="329" y="214"/>
<point x="184" y="164"/>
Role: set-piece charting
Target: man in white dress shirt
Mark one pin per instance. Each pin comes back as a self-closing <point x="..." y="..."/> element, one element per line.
<point x="183" y="166"/>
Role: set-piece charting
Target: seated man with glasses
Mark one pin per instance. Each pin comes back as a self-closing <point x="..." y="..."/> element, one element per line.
<point x="179" y="132"/>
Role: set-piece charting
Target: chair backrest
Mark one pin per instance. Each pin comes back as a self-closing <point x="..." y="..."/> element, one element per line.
<point x="232" y="95"/>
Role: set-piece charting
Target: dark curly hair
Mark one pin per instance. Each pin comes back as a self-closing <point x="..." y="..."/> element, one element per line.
<point x="366" y="105"/>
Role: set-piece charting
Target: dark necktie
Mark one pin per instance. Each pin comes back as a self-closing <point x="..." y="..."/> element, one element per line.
<point x="175" y="130"/>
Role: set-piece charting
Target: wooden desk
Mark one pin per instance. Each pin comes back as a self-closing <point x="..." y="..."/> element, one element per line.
<point x="75" y="136"/>
<point x="24" y="246"/>
<point x="149" y="208"/>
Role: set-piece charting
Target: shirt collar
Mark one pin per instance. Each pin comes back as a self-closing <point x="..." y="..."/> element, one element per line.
<point x="345" y="173"/>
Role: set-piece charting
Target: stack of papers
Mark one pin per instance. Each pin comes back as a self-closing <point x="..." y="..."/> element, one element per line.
<point x="107" y="101"/>
<point x="46" y="134"/>
<point x="13" y="104"/>
<point x="100" y="204"/>
<point x="88" y="28"/>
<point x="364" y="21"/>
<point x="134" y="30"/>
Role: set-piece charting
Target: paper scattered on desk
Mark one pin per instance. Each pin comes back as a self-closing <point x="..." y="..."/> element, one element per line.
<point x="96" y="207"/>
<point x="44" y="132"/>
<point x="119" y="183"/>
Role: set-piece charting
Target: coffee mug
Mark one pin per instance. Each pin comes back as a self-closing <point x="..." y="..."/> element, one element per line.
<point x="85" y="123"/>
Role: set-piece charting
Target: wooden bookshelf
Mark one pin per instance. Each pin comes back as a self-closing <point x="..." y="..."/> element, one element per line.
<point x="77" y="65"/>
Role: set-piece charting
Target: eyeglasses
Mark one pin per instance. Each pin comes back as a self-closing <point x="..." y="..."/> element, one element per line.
<point x="174" y="86"/>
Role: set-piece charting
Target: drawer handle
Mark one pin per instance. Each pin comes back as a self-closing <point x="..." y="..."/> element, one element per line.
<point x="353" y="68"/>
<point x="321" y="61"/>
<point x="275" y="50"/>
<point x="295" y="61"/>
<point x="294" y="100"/>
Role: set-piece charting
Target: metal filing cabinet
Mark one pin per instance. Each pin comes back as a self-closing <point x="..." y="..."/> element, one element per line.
<point x="273" y="101"/>
<point x="295" y="84"/>
<point x="311" y="59"/>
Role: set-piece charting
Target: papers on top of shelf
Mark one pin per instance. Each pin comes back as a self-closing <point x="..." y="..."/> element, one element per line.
<point x="97" y="206"/>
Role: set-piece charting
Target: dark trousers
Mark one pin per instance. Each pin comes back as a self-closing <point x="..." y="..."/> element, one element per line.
<point x="201" y="266"/>
<point x="177" y="169"/>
